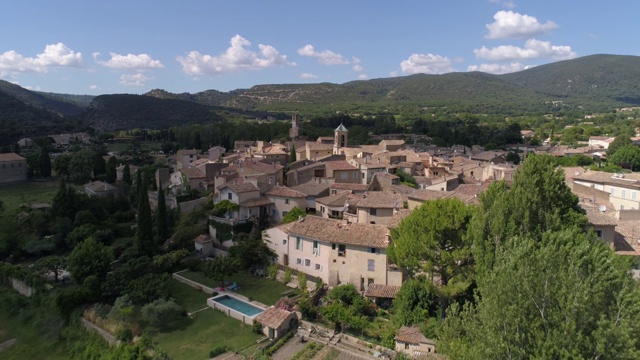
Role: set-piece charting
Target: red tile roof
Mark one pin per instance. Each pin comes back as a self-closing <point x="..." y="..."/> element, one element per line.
<point x="283" y="191"/>
<point x="336" y="231"/>
<point x="11" y="157"/>
<point x="340" y="165"/>
<point x="273" y="317"/>
<point x="412" y="335"/>
<point x="382" y="291"/>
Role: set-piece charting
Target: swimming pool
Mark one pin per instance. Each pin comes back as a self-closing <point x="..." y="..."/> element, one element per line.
<point x="235" y="308"/>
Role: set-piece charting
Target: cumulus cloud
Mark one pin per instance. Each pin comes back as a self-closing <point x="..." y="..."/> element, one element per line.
<point x="533" y="49"/>
<point x="498" y="68"/>
<point x="506" y="3"/>
<point x="238" y="57"/>
<point x="426" y="63"/>
<point x="393" y="74"/>
<point x="509" y="24"/>
<point x="357" y="64"/>
<point x="362" y="77"/>
<point x="308" y="76"/>
<point x="54" y="55"/>
<point x="326" y="57"/>
<point x="93" y="87"/>
<point x="129" y="61"/>
<point x="138" y="79"/>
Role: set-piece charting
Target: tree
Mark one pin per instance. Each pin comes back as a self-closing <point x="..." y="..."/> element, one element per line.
<point x="293" y="215"/>
<point x="51" y="264"/>
<point x="220" y="268"/>
<point x="111" y="175"/>
<point x="415" y="302"/>
<point x="292" y="155"/>
<point x="81" y="166"/>
<point x="628" y="157"/>
<point x="61" y="165"/>
<point x="432" y="239"/>
<point x="66" y="202"/>
<point x="161" y="312"/>
<point x="161" y="217"/>
<point x="250" y="251"/>
<point x="560" y="295"/>
<point x="302" y="281"/>
<point x="45" y="162"/>
<point x="144" y="232"/>
<point x="223" y="207"/>
<point x="126" y="175"/>
<point x="539" y="201"/>
<point x="90" y="258"/>
<point x="406" y="179"/>
<point x="617" y="143"/>
<point x="513" y="157"/>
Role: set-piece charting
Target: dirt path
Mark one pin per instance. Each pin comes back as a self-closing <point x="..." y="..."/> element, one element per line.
<point x="289" y="349"/>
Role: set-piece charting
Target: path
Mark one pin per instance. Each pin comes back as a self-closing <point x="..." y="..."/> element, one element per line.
<point x="289" y="349"/>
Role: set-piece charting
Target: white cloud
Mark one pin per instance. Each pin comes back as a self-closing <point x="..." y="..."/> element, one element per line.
<point x="236" y="58"/>
<point x="509" y="24"/>
<point x="54" y="55"/>
<point x="393" y="74"/>
<point x="129" y="61"/>
<point x="506" y="3"/>
<point x="498" y="68"/>
<point x="533" y="49"/>
<point x="308" y="76"/>
<point x="357" y="64"/>
<point x="362" y="77"/>
<point x="138" y="79"/>
<point x="93" y="87"/>
<point x="326" y="57"/>
<point x="426" y="63"/>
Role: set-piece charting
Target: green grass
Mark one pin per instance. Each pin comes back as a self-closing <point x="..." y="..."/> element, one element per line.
<point x="30" y="344"/>
<point x="13" y="195"/>
<point x="266" y="291"/>
<point x="194" y="338"/>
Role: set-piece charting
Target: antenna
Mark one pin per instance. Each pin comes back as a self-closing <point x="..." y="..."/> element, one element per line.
<point x="602" y="208"/>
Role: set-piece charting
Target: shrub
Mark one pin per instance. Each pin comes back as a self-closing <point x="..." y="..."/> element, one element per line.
<point x="288" y="274"/>
<point x="124" y="334"/>
<point x="161" y="313"/>
<point x="272" y="271"/>
<point x="218" y="350"/>
<point x="270" y="351"/>
<point x="256" y="327"/>
<point x="302" y="281"/>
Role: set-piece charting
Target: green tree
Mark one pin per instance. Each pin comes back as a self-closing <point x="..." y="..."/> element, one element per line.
<point x="162" y="229"/>
<point x="415" y="302"/>
<point x="66" y="202"/>
<point x="126" y="175"/>
<point x="144" y="232"/>
<point x="558" y="296"/>
<point x="627" y="157"/>
<point x="161" y="313"/>
<point x="250" y="251"/>
<point x="90" y="258"/>
<point x="513" y="157"/>
<point x="620" y="141"/>
<point x="432" y="240"/>
<point x="45" y="162"/>
<point x="302" y="281"/>
<point x="61" y="165"/>
<point x="110" y="176"/>
<point x="220" y="268"/>
<point x="539" y="201"/>
<point x="81" y="166"/>
<point x="292" y="155"/>
<point x="406" y="179"/>
<point x="51" y="264"/>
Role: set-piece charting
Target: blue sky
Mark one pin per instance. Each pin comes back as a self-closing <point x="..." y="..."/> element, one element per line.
<point x="98" y="47"/>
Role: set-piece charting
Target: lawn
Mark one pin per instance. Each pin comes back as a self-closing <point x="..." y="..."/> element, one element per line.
<point x="266" y="291"/>
<point x="30" y="344"/>
<point x="13" y="195"/>
<point x="195" y="338"/>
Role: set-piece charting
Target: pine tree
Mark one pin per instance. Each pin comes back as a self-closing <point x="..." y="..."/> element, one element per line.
<point x="144" y="234"/>
<point x="111" y="170"/>
<point x="126" y="175"/>
<point x="161" y="216"/>
<point x="45" y="162"/>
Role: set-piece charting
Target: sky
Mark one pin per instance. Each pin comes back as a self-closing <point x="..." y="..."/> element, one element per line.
<point x="114" y="46"/>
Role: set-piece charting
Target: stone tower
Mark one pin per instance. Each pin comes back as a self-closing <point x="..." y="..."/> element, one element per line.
<point x="294" y="132"/>
<point x="339" y="139"/>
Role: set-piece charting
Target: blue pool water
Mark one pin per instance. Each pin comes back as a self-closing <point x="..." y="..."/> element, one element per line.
<point x="238" y="305"/>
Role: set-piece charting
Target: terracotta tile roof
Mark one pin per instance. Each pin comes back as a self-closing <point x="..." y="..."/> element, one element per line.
<point x="273" y="317"/>
<point x="392" y="142"/>
<point x="318" y="146"/>
<point x="312" y="188"/>
<point x="260" y="201"/>
<point x="339" y="199"/>
<point x="283" y="191"/>
<point x="263" y="167"/>
<point x="382" y="291"/>
<point x="339" y="165"/>
<point x="336" y="231"/>
<point x="239" y="188"/>
<point x="200" y="162"/>
<point x="412" y="335"/>
<point x="188" y="152"/>
<point x="627" y="237"/>
<point x="193" y="173"/>
<point x="627" y="180"/>
<point x="11" y="157"/>
<point x="381" y="200"/>
<point x="469" y="192"/>
<point x="597" y="217"/>
<point x="100" y="186"/>
<point x="349" y="186"/>
<point x="203" y="239"/>
<point x="397" y="217"/>
<point x="426" y="195"/>
<point x="487" y="155"/>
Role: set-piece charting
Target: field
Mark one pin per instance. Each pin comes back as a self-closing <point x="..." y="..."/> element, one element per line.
<point x="13" y="195"/>
<point x="30" y="344"/>
<point x="266" y="291"/>
<point x="195" y="338"/>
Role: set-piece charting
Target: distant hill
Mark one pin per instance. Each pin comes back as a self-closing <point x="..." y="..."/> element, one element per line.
<point x="39" y="100"/>
<point x="82" y="101"/>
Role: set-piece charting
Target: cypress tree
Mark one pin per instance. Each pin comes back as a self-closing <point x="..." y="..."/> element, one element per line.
<point x="161" y="216"/>
<point x="144" y="234"/>
<point x="126" y="175"/>
<point x="45" y="162"/>
<point x="111" y="170"/>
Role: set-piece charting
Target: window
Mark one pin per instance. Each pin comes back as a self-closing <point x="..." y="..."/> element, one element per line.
<point x="621" y="207"/>
<point x="318" y="267"/>
<point x="613" y="191"/>
<point x="230" y="196"/>
<point x="342" y="250"/>
<point x="599" y="233"/>
<point x="250" y="211"/>
<point x="343" y="175"/>
<point x="322" y="209"/>
<point x="284" y="241"/>
<point x="633" y="195"/>
<point x="299" y="261"/>
<point x="623" y="193"/>
<point x="19" y="164"/>
<point x="371" y="265"/>
<point x="372" y="212"/>
<point x="284" y="213"/>
<point x="316" y="248"/>
<point x="274" y="212"/>
<point x="372" y="250"/>
<point x="307" y="262"/>
<point x="286" y="201"/>
<point x="406" y="346"/>
<point x="298" y="243"/>
<point x="270" y="180"/>
<point x="363" y="175"/>
<point x="333" y="246"/>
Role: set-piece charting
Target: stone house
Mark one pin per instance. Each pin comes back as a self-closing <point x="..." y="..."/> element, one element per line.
<point x="247" y="197"/>
<point x="342" y="172"/>
<point x="100" y="189"/>
<point x="313" y="189"/>
<point x="284" y="199"/>
<point x="409" y="340"/>
<point x="185" y="157"/>
<point x="13" y="167"/>
<point x="377" y="207"/>
<point x="276" y="322"/>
